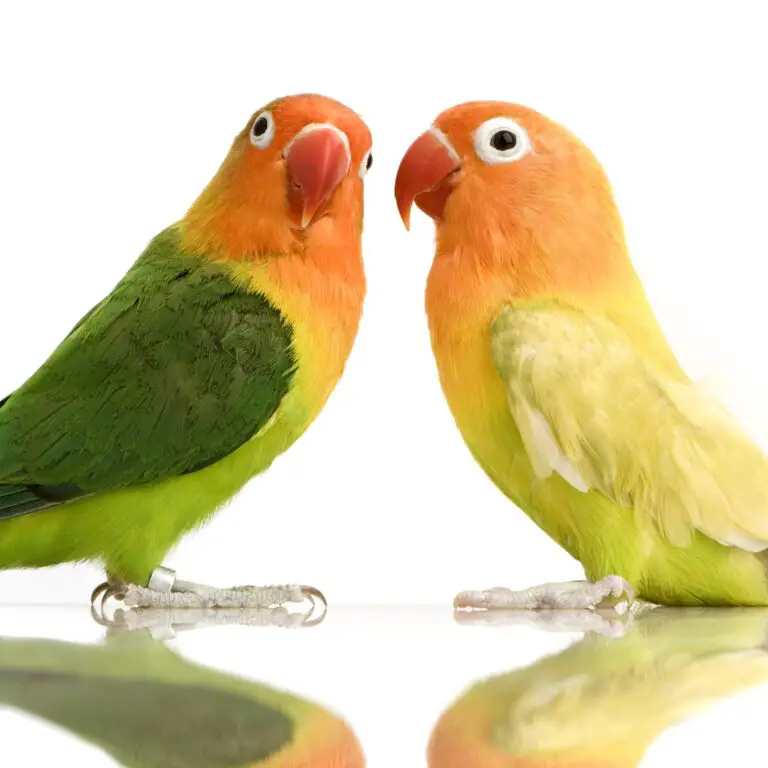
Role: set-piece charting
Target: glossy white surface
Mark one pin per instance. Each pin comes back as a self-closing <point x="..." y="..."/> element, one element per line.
<point x="390" y="671"/>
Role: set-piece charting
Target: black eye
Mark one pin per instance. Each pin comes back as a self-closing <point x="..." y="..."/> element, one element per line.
<point x="503" y="140"/>
<point x="365" y="164"/>
<point x="260" y="126"/>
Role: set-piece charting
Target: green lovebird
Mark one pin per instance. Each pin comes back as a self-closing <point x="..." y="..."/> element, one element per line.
<point x="603" y="701"/>
<point x="148" y="708"/>
<point x="210" y="357"/>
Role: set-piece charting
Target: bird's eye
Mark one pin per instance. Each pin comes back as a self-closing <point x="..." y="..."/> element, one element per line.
<point x="501" y="140"/>
<point x="365" y="166"/>
<point x="263" y="130"/>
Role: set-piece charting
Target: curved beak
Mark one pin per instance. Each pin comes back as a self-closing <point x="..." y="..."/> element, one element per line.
<point x="425" y="175"/>
<point x="317" y="160"/>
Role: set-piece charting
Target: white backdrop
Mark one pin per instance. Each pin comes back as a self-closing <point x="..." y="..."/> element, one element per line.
<point x="116" y="116"/>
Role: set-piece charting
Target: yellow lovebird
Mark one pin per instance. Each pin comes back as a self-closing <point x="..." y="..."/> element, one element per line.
<point x="602" y="702"/>
<point x="561" y="381"/>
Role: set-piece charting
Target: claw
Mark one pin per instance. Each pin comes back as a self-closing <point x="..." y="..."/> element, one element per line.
<point x="100" y="597"/>
<point x="618" y="592"/>
<point x="314" y="595"/>
<point x="98" y="592"/>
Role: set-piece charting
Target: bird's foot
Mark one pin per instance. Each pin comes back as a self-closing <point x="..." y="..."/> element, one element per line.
<point x="610" y="592"/>
<point x="165" y="591"/>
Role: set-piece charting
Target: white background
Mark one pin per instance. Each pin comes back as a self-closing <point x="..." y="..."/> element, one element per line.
<point x="115" y="117"/>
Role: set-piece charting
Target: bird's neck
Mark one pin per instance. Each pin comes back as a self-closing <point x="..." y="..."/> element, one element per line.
<point x="237" y="230"/>
<point x="478" y="271"/>
<point x="471" y="282"/>
<point x="255" y="228"/>
<point x="316" y="272"/>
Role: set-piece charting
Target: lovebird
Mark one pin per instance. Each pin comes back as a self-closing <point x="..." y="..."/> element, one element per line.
<point x="561" y="381"/>
<point x="147" y="707"/>
<point x="603" y="701"/>
<point x="209" y="358"/>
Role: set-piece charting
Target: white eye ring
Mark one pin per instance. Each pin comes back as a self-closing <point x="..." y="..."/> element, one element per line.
<point x="264" y="123"/>
<point x="366" y="163"/>
<point x="491" y="150"/>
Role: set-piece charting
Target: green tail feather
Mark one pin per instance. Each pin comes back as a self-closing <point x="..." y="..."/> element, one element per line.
<point x="19" y="500"/>
<point x="10" y="490"/>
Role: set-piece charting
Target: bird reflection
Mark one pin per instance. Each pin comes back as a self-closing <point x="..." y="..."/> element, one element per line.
<point x="164" y="623"/>
<point x="147" y="707"/>
<point x="602" y="701"/>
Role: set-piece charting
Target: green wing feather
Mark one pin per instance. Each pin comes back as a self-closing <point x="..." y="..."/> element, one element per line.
<point x="175" y="369"/>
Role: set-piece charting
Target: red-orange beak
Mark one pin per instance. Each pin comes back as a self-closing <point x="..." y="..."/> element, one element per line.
<point x="424" y="176"/>
<point x="317" y="160"/>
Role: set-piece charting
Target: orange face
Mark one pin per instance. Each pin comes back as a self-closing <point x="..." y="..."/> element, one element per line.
<point x="501" y="163"/>
<point x="297" y="160"/>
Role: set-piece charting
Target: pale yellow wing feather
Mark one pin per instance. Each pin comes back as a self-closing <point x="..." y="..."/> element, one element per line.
<point x="592" y="409"/>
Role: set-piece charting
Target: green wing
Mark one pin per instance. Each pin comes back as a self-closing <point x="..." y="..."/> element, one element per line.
<point x="175" y="369"/>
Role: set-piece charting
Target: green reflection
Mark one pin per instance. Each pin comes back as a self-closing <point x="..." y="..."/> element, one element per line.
<point x="149" y="708"/>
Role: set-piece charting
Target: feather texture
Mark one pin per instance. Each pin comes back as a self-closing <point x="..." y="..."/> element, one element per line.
<point x="210" y="358"/>
<point x="176" y="369"/>
<point x="658" y="446"/>
<point x="562" y="383"/>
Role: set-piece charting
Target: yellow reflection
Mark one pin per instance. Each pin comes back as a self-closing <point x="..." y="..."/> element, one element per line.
<point x="602" y="701"/>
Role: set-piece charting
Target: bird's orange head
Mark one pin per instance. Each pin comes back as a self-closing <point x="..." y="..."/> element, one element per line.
<point x="516" y="190"/>
<point x="297" y="165"/>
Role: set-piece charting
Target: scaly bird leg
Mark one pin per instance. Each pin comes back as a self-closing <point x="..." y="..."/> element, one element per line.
<point x="611" y="591"/>
<point x="164" y="590"/>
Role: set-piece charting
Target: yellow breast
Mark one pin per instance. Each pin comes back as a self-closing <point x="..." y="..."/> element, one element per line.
<point x="323" y="313"/>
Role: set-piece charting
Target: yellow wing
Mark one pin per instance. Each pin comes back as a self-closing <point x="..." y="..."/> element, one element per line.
<point x="591" y="408"/>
